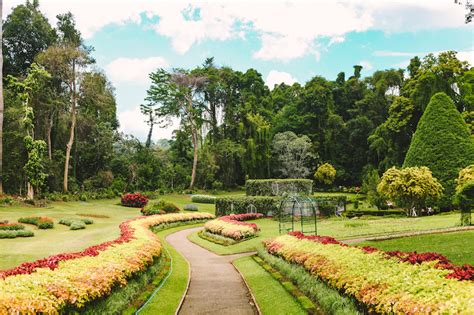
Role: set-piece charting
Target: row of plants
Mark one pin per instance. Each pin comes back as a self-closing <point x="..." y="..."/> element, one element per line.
<point x="13" y="230"/>
<point x="203" y="199"/>
<point x="232" y="226"/>
<point x="74" y="280"/>
<point x="5" y="226"/>
<point x="76" y="224"/>
<point x="384" y="282"/>
<point x="41" y="222"/>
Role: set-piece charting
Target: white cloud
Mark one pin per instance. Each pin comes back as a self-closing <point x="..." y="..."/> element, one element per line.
<point x="277" y="77"/>
<point x="467" y="56"/>
<point x="366" y="64"/>
<point x="133" y="70"/>
<point x="336" y="40"/>
<point x="133" y="122"/>
<point x="287" y="29"/>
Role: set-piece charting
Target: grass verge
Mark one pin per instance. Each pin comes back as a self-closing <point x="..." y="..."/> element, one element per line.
<point x="167" y="300"/>
<point x="456" y="246"/>
<point x="330" y="300"/>
<point x="269" y="294"/>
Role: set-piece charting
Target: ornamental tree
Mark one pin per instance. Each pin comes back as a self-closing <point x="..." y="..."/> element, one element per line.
<point x="325" y="174"/>
<point x="410" y="187"/>
<point x="442" y="142"/>
<point x="464" y="197"/>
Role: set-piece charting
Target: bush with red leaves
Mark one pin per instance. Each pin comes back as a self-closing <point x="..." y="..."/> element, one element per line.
<point x="135" y="200"/>
<point x="238" y="218"/>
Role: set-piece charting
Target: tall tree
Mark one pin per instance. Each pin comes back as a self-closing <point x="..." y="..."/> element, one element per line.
<point x="178" y="94"/>
<point x="26" y="33"/>
<point x="65" y="61"/>
<point x="1" y="100"/>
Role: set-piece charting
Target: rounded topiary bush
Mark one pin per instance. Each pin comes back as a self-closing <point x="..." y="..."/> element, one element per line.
<point x="159" y="207"/>
<point x="442" y="142"/>
<point x="135" y="200"/>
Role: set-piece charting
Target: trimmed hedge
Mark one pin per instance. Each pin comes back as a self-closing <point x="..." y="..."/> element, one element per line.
<point x="203" y="199"/>
<point x="41" y="222"/>
<point x="278" y="187"/>
<point x="270" y="206"/>
<point x="11" y="226"/>
<point x="236" y="205"/>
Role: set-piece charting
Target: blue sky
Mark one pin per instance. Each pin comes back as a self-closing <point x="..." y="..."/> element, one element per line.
<point x="285" y="41"/>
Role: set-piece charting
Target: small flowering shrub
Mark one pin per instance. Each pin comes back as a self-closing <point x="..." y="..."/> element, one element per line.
<point x="50" y="285"/>
<point x="159" y="207"/>
<point x="40" y="222"/>
<point x="135" y="200"/>
<point x="231" y="226"/>
<point x="15" y="233"/>
<point x="386" y="282"/>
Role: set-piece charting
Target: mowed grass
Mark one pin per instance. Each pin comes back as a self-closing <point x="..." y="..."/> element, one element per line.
<point x="456" y="246"/>
<point x="270" y="296"/>
<point x="337" y="227"/>
<point x="60" y="239"/>
<point x="167" y="300"/>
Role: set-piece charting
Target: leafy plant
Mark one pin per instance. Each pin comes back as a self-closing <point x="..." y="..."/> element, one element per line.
<point x="203" y="199"/>
<point x="325" y="174"/>
<point x="40" y="222"/>
<point x="135" y="200"/>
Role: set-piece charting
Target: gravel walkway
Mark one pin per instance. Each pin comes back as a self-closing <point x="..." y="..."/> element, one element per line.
<point x="215" y="286"/>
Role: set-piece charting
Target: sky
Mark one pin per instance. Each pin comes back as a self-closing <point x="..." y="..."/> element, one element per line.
<point x="286" y="41"/>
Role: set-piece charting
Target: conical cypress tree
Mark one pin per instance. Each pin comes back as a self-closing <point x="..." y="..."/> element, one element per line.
<point x="442" y="142"/>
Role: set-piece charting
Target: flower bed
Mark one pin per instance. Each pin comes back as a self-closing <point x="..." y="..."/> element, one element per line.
<point x="385" y="282"/>
<point x="73" y="279"/>
<point x="40" y="222"/>
<point x="231" y="226"/>
<point x="135" y="200"/>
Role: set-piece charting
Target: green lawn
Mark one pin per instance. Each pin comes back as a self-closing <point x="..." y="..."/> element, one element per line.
<point x="457" y="246"/>
<point x="338" y="228"/>
<point x="60" y="239"/>
<point x="271" y="297"/>
<point x="167" y="299"/>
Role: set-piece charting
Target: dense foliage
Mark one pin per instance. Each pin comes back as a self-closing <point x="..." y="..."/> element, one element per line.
<point x="442" y="142"/>
<point x="325" y="174"/>
<point x="40" y="222"/>
<point x="135" y="200"/>
<point x="410" y="187"/>
<point x="159" y="207"/>
<point x="464" y="197"/>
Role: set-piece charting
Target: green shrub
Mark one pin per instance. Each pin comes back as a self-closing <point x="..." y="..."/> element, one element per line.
<point x="442" y="142"/>
<point x="15" y="233"/>
<point x="77" y="225"/>
<point x="159" y="207"/>
<point x="278" y="187"/>
<point x="356" y="204"/>
<point x="190" y="207"/>
<point x="11" y="227"/>
<point x="203" y="199"/>
<point x="40" y="222"/>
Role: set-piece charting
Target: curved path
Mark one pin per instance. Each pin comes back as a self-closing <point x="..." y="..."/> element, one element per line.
<point x="215" y="287"/>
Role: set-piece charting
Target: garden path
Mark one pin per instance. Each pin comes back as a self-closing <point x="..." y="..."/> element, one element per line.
<point x="215" y="285"/>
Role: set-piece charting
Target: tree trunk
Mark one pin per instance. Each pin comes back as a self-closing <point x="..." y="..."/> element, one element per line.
<point x="31" y="192"/>
<point x="49" y="128"/>
<point x="1" y="100"/>
<point x="195" y="157"/>
<point x="150" y="132"/>
<point x="71" y="131"/>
